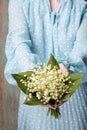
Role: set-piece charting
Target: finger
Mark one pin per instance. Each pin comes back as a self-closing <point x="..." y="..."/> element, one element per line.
<point x="59" y="104"/>
<point x="63" y="72"/>
<point x="50" y="106"/>
<point x="63" y="69"/>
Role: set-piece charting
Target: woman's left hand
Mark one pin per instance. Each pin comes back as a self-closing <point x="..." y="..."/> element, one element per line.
<point x="63" y="69"/>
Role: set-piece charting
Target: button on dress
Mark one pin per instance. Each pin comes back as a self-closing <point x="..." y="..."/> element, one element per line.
<point x="34" y="32"/>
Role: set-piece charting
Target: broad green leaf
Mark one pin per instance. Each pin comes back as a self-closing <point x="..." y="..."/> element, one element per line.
<point x="76" y="79"/>
<point x="52" y="61"/>
<point x="33" y="101"/>
<point x="20" y="76"/>
<point x="76" y="76"/>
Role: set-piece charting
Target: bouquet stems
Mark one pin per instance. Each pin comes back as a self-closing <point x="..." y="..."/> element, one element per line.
<point x="55" y="113"/>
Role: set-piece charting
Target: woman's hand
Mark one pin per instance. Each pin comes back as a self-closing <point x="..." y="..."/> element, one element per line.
<point x="55" y="106"/>
<point x="63" y="69"/>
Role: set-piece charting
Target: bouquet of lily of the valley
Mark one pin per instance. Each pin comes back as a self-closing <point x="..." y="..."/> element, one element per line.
<point x="46" y="85"/>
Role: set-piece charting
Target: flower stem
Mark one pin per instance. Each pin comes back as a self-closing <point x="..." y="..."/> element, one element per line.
<point x="55" y="113"/>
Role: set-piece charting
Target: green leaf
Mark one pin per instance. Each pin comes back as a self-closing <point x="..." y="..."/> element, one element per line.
<point x="52" y="61"/>
<point x="20" y="76"/>
<point x="76" y="79"/>
<point x="33" y="101"/>
<point x="76" y="76"/>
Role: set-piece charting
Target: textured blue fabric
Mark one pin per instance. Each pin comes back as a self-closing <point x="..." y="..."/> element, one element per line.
<point x="34" y="32"/>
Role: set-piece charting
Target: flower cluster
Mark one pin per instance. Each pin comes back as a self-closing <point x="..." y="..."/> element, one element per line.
<point x="47" y="84"/>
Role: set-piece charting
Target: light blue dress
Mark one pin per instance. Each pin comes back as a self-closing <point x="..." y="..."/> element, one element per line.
<point x="34" y="32"/>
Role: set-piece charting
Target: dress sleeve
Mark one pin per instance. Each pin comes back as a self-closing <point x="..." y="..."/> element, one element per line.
<point x="78" y="56"/>
<point x="18" y="44"/>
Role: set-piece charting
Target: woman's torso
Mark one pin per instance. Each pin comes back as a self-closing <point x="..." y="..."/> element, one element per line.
<point x="53" y="31"/>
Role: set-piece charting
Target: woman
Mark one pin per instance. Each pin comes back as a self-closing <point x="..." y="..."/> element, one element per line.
<point x="36" y="29"/>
